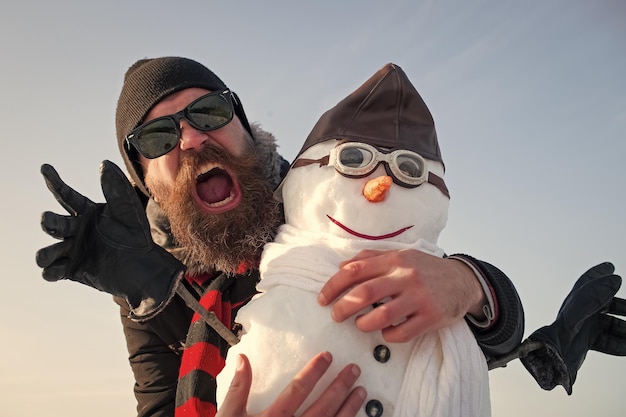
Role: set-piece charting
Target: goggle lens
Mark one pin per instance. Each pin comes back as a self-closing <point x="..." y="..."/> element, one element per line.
<point x="409" y="166"/>
<point x="355" y="158"/>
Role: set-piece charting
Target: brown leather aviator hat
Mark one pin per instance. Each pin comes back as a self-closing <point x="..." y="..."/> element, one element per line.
<point x="385" y="111"/>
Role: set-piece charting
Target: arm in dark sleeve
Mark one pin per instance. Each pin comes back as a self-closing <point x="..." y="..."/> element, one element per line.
<point x="507" y="329"/>
<point x="155" y="349"/>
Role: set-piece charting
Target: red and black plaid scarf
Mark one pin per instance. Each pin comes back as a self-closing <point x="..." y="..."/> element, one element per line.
<point x="205" y="351"/>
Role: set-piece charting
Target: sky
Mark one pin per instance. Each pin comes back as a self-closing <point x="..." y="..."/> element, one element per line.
<point x="529" y="101"/>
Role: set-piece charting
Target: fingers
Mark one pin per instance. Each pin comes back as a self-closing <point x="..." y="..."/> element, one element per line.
<point x="54" y="261"/>
<point x="603" y="289"/>
<point x="72" y="201"/>
<point x="57" y="271"/>
<point x="353" y="404"/>
<point x="364" y="295"/>
<point x="398" y="319"/>
<point x="122" y="201"/>
<point x="594" y="297"/>
<point x="612" y="340"/>
<point x="352" y="272"/>
<point x="237" y="396"/>
<point x="600" y="270"/>
<point x="605" y="268"/>
<point x="57" y="226"/>
<point x="50" y="254"/>
<point x="300" y="387"/>
<point x="407" y="330"/>
<point x="384" y="314"/>
<point x="369" y="264"/>
<point x="420" y="291"/>
<point x="618" y="306"/>
<point x="339" y="400"/>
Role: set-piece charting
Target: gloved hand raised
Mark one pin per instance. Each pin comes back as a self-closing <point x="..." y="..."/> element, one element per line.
<point x="583" y="323"/>
<point x="108" y="246"/>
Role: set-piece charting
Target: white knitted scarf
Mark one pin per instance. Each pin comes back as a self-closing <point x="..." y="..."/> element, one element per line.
<point x="306" y="260"/>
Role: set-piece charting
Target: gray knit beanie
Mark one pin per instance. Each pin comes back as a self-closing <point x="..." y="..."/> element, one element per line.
<point x="147" y="82"/>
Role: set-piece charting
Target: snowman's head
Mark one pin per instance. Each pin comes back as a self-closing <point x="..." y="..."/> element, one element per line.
<point x="328" y="190"/>
<point x="381" y="137"/>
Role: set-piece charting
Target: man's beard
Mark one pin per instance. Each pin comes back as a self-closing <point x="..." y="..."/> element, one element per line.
<point x="231" y="241"/>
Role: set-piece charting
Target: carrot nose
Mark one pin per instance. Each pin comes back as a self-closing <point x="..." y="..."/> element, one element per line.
<point x="375" y="189"/>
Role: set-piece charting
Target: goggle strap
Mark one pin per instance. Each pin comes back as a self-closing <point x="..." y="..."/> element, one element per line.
<point x="438" y="182"/>
<point x="304" y="162"/>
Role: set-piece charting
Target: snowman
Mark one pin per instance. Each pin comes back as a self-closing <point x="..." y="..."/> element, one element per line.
<point x="369" y="176"/>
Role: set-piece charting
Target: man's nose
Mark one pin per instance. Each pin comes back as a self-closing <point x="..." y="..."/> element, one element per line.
<point x="191" y="138"/>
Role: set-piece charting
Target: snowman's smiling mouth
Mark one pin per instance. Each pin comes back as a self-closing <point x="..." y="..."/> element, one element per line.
<point x="368" y="237"/>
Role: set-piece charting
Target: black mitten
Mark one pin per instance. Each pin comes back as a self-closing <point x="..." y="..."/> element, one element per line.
<point x="108" y="246"/>
<point x="583" y="323"/>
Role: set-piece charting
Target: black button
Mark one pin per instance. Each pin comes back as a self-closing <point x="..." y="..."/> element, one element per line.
<point x="382" y="353"/>
<point x="374" y="408"/>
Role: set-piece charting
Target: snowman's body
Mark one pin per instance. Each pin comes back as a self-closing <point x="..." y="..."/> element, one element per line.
<point x="442" y="373"/>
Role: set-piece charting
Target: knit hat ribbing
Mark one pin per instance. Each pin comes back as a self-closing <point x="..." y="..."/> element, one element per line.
<point x="147" y="82"/>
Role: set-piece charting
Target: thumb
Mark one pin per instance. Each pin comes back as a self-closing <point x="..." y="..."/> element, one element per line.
<point x="237" y="397"/>
<point x="122" y="200"/>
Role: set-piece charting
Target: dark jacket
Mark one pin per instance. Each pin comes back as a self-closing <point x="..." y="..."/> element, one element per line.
<point x="155" y="350"/>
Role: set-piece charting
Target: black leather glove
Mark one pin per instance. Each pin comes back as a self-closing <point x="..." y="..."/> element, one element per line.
<point x="108" y="246"/>
<point x="583" y="323"/>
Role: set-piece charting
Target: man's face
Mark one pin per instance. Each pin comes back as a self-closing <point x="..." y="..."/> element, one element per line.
<point x="232" y="138"/>
<point x="210" y="185"/>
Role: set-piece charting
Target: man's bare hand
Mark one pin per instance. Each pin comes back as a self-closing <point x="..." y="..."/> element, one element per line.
<point x="338" y="400"/>
<point x="420" y="292"/>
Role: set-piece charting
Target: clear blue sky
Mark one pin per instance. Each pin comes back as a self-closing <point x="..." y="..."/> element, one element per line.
<point x="529" y="99"/>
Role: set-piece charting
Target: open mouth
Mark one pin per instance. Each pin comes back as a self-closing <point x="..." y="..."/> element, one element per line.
<point x="368" y="237"/>
<point x="216" y="190"/>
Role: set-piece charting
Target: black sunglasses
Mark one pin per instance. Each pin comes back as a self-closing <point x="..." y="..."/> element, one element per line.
<point x="159" y="136"/>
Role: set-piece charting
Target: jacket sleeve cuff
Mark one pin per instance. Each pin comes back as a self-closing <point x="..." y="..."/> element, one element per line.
<point x="505" y="333"/>
<point x="490" y="310"/>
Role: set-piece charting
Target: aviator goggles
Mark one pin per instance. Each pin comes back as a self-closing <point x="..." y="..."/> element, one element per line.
<point x="358" y="160"/>
<point x="159" y="136"/>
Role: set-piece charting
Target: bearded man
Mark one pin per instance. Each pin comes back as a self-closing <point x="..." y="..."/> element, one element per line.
<point x="205" y="177"/>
